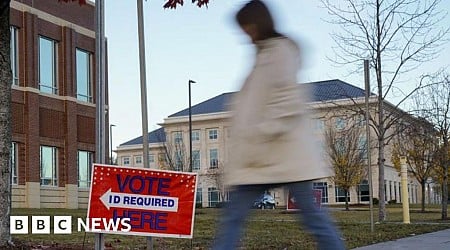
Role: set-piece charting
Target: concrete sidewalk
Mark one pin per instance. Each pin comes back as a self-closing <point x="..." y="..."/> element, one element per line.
<point x="439" y="240"/>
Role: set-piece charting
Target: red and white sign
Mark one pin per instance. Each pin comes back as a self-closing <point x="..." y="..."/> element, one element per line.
<point x="156" y="203"/>
<point x="317" y="199"/>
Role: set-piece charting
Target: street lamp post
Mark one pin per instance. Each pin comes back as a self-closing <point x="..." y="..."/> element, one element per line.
<point x="190" y="127"/>
<point x="111" y="144"/>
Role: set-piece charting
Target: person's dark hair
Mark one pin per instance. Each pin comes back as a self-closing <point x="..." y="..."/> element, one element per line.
<point x="256" y="12"/>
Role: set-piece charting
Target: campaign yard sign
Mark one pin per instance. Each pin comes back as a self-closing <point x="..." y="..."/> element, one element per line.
<point x="292" y="203"/>
<point x="153" y="202"/>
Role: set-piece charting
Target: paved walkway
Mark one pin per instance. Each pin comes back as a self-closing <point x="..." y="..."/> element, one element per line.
<point x="439" y="240"/>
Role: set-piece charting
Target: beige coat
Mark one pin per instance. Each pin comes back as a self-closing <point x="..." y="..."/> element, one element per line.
<point x="271" y="136"/>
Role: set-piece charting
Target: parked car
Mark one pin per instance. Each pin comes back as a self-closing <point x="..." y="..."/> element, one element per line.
<point x="266" y="201"/>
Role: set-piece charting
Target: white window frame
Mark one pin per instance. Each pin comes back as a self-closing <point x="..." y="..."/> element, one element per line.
<point x="14" y="165"/>
<point x="338" y="194"/>
<point x="177" y="137"/>
<point x="54" y="84"/>
<point x="14" y="43"/>
<point x="363" y="187"/>
<point x="86" y="97"/>
<point x="151" y="159"/>
<point x="84" y="181"/>
<point x="362" y="146"/>
<point x="213" y="158"/>
<point x="138" y="160"/>
<point x="196" y="160"/>
<point x="199" y="196"/>
<point x="53" y="179"/>
<point x="126" y="160"/>
<point x="195" y="135"/>
<point x="179" y="160"/>
<point x="213" y="134"/>
<point x="211" y="191"/>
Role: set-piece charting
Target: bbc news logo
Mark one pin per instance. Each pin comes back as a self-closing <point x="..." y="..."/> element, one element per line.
<point x="63" y="224"/>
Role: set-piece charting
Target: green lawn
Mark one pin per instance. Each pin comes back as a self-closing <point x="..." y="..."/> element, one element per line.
<point x="268" y="229"/>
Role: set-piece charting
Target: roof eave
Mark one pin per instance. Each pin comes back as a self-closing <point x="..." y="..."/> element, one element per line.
<point x="196" y="118"/>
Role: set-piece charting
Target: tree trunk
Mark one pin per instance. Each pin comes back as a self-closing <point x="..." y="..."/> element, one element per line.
<point x="445" y="180"/>
<point x="5" y="124"/>
<point x="422" y="183"/>
<point x="381" y="204"/>
<point x="346" y="201"/>
<point x="380" y="125"/>
<point x="381" y="129"/>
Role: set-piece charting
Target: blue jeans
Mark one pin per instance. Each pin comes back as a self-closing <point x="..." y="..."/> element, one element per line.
<point x="317" y="221"/>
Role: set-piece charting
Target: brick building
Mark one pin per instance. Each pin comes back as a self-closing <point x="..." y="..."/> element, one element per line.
<point x="53" y="104"/>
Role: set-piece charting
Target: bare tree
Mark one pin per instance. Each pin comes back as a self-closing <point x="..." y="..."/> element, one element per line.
<point x="419" y="145"/>
<point x="439" y="172"/>
<point x="216" y="175"/>
<point x="433" y="104"/>
<point x="346" y="150"/>
<point x="5" y="124"/>
<point x="396" y="36"/>
<point x="175" y="155"/>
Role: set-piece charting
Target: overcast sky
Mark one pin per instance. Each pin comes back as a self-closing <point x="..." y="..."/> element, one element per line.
<point x="205" y="45"/>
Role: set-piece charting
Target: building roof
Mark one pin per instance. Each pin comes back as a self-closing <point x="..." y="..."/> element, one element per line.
<point x="321" y="92"/>
<point x="214" y="105"/>
<point x="331" y="90"/>
<point x="154" y="136"/>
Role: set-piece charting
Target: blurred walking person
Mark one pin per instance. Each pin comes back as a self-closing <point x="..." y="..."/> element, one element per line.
<point x="272" y="140"/>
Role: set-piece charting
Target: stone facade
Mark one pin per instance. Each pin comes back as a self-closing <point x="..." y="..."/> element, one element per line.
<point x="325" y="114"/>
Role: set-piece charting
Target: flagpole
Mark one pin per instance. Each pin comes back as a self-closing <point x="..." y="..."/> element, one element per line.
<point x="142" y="64"/>
<point x="100" y="63"/>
